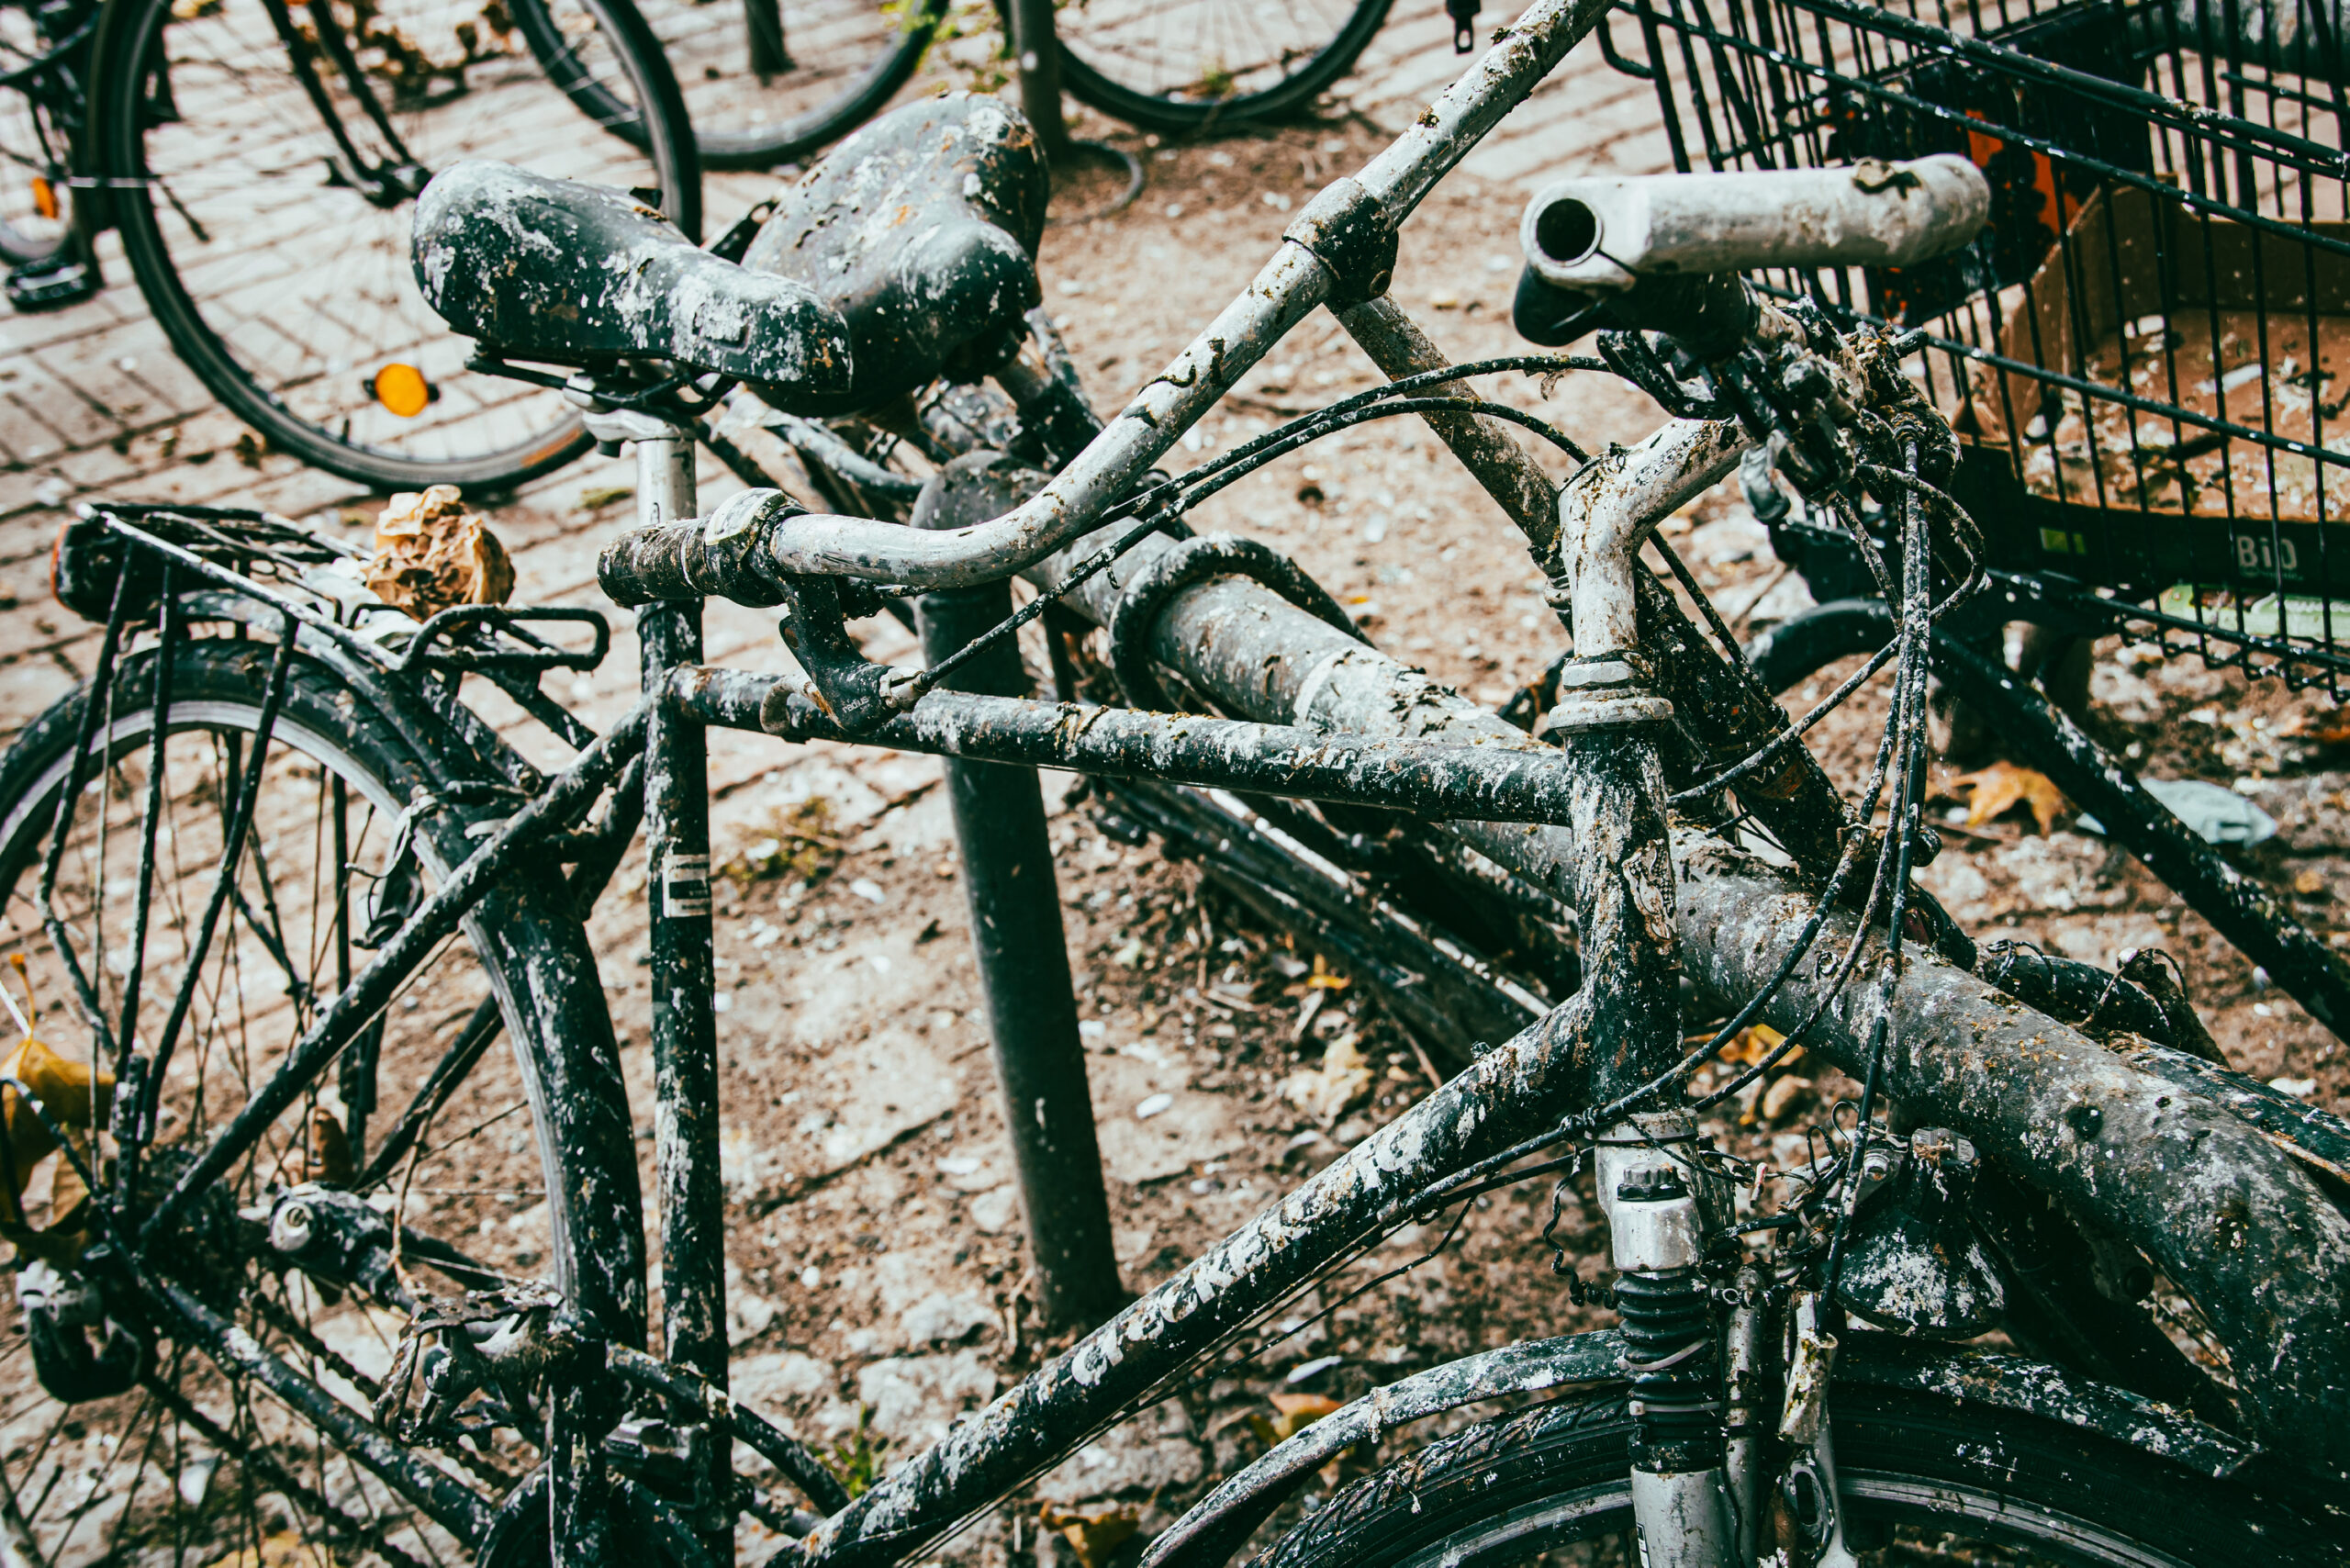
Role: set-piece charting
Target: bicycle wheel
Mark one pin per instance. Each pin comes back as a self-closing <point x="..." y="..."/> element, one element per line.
<point x="268" y="161"/>
<point x="38" y="87"/>
<point x="188" y="1463"/>
<point x="1919" y="1479"/>
<point x="1176" y="66"/>
<point x="765" y="84"/>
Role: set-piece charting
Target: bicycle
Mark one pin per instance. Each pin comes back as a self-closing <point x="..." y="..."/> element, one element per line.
<point x="766" y="87"/>
<point x="1740" y="1395"/>
<point x="222" y="141"/>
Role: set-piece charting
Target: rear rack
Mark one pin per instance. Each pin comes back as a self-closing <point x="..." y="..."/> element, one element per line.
<point x="119" y="558"/>
<point x="2147" y="356"/>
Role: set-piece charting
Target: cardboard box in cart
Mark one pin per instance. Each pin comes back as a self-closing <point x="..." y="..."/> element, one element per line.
<point x="2238" y="324"/>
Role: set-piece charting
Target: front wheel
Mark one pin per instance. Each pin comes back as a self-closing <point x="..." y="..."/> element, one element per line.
<point x="1920" y="1479"/>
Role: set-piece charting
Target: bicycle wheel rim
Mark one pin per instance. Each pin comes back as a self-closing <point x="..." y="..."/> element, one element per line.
<point x="839" y="74"/>
<point x="223" y="1470"/>
<point x="1917" y="1477"/>
<point x="287" y="332"/>
<point x="1135" y="82"/>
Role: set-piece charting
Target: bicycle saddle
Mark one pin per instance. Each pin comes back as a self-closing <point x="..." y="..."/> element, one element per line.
<point x="920" y="230"/>
<point x="573" y="274"/>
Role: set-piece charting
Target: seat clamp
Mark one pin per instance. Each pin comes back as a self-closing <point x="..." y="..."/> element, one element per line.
<point x="1348" y="231"/>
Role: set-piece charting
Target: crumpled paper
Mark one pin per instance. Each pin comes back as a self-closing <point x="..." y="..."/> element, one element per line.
<point x="432" y="554"/>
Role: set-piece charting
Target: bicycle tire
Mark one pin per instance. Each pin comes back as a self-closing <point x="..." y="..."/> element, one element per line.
<point x="298" y="367"/>
<point x="344" y="756"/>
<point x="1095" y="71"/>
<point x="713" y="75"/>
<point x="1910" y="1468"/>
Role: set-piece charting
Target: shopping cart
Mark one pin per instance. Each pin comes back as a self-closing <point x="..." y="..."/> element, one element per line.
<point x="2147" y="354"/>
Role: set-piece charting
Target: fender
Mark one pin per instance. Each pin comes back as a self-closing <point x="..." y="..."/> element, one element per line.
<point x="1220" y="1523"/>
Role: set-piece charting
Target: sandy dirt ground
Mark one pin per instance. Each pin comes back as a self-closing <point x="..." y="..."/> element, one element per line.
<point x="876" y="1265"/>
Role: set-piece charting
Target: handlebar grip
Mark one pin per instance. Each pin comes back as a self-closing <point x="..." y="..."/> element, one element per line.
<point x="1602" y="236"/>
<point x="719" y="556"/>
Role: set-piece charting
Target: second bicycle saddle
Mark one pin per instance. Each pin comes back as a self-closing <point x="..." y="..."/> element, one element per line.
<point x="920" y="230"/>
<point x="574" y="273"/>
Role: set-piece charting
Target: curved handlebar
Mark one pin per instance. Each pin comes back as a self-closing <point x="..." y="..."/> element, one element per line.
<point x="1290" y="285"/>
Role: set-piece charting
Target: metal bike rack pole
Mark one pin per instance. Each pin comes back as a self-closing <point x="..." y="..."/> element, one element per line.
<point x="1016" y="911"/>
<point x="1036" y="52"/>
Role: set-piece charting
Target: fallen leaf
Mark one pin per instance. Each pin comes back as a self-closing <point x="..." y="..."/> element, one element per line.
<point x="1323" y="980"/>
<point x="1326" y="1092"/>
<point x="1756" y="1041"/>
<point x="432" y="554"/>
<point x="2003" y="785"/>
<point x="1293" y="1413"/>
<point x="1094" y="1536"/>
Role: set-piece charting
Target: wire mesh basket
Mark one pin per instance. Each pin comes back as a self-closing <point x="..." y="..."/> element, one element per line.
<point x="2147" y="353"/>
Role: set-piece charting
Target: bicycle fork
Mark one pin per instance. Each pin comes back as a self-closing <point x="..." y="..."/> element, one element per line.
<point x="1662" y="1204"/>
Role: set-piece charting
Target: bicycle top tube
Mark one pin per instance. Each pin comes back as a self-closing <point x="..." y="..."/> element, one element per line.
<point x="1290" y="285"/>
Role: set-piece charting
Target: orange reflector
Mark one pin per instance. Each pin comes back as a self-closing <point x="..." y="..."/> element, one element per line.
<point x="45" y="197"/>
<point x="403" y="389"/>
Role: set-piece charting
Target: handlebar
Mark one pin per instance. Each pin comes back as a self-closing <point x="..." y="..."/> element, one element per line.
<point x="1603" y="236"/>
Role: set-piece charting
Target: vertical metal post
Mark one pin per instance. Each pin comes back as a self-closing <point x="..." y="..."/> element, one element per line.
<point x="1036" y="51"/>
<point x="685" y="1035"/>
<point x="763" y="19"/>
<point x="1024" y="970"/>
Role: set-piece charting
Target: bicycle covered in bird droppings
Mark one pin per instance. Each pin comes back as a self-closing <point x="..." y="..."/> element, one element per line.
<point x="280" y="888"/>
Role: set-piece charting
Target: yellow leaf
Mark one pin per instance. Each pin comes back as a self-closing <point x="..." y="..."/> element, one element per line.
<point x="1094" y="1536"/>
<point x="1323" y="980"/>
<point x="2003" y="785"/>
<point x="284" y="1550"/>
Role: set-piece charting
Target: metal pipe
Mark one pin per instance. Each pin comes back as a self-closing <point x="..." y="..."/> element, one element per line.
<point x="1291" y="282"/>
<point x="1510" y="778"/>
<point x="1015" y="911"/>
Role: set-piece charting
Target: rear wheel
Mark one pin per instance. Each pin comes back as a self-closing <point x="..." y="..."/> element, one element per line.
<point x="1176" y="66"/>
<point x="123" y="1438"/>
<point x="1920" y="1479"/>
<point x="266" y="161"/>
<point x="765" y="81"/>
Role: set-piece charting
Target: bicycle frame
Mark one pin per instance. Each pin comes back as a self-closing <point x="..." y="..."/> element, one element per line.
<point x="1596" y="831"/>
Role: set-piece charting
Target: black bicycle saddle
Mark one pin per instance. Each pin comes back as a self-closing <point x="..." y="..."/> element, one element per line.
<point x="571" y="274"/>
<point x="920" y="230"/>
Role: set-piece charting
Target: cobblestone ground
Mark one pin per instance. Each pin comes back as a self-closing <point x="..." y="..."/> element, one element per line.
<point x="873" y="1235"/>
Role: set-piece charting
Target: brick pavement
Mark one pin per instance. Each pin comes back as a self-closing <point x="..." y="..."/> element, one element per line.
<point x="94" y="405"/>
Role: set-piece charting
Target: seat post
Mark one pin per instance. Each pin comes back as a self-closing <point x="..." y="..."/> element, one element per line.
<point x="682" y="973"/>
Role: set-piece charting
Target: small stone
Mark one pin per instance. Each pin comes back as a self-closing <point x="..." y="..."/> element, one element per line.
<point x="1155" y="1106"/>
